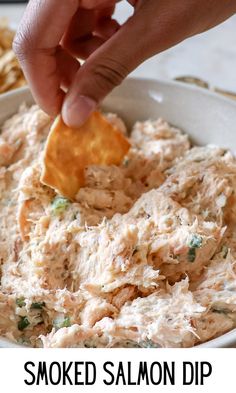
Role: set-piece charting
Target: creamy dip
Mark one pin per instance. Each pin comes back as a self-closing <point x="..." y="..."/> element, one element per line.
<point x="145" y="257"/>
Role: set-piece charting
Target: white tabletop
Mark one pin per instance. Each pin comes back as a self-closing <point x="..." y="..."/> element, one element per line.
<point x="210" y="56"/>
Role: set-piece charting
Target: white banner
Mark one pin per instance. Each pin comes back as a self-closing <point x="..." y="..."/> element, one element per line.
<point x="117" y="370"/>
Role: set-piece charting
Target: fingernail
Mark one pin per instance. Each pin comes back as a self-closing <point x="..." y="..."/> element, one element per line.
<point x="75" y="113"/>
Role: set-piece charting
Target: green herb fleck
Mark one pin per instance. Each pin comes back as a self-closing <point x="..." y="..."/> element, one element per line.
<point x="191" y="254"/>
<point x="58" y="323"/>
<point x="59" y="205"/>
<point x="23" y="323"/>
<point x="20" y="302"/>
<point x="195" y="242"/>
<point x="38" y="305"/>
<point x="66" y="322"/>
<point x="126" y="162"/>
<point x="225" y="251"/>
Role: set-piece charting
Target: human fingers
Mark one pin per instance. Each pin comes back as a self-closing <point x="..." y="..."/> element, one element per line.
<point x="36" y="44"/>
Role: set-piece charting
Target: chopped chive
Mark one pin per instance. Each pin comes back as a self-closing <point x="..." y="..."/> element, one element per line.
<point x="191" y="254"/>
<point x="125" y="162"/>
<point x="195" y="242"/>
<point x="225" y="251"/>
<point x="20" y="302"/>
<point x="59" y="205"/>
<point x="66" y="322"/>
<point x="38" y="305"/>
<point x="23" y="323"/>
<point x="58" y="323"/>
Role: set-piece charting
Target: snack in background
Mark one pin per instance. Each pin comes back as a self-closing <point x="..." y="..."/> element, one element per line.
<point x="11" y="75"/>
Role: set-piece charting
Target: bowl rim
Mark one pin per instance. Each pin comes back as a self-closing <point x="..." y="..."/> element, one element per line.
<point x="133" y="80"/>
<point x="226" y="340"/>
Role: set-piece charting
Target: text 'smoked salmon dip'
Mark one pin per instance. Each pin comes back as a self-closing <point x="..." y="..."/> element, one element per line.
<point x="144" y="256"/>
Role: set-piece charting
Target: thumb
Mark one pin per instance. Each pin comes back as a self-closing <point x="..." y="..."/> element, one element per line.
<point x="104" y="70"/>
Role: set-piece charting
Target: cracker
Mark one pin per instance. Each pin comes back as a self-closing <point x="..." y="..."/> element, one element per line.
<point x="69" y="151"/>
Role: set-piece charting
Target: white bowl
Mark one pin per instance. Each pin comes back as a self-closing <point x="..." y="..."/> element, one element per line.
<point x="205" y="116"/>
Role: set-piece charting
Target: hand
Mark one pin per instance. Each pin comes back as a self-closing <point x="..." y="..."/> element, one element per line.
<point x="53" y="34"/>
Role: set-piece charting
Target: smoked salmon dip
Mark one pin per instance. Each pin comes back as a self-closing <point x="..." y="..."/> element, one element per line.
<point x="144" y="256"/>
